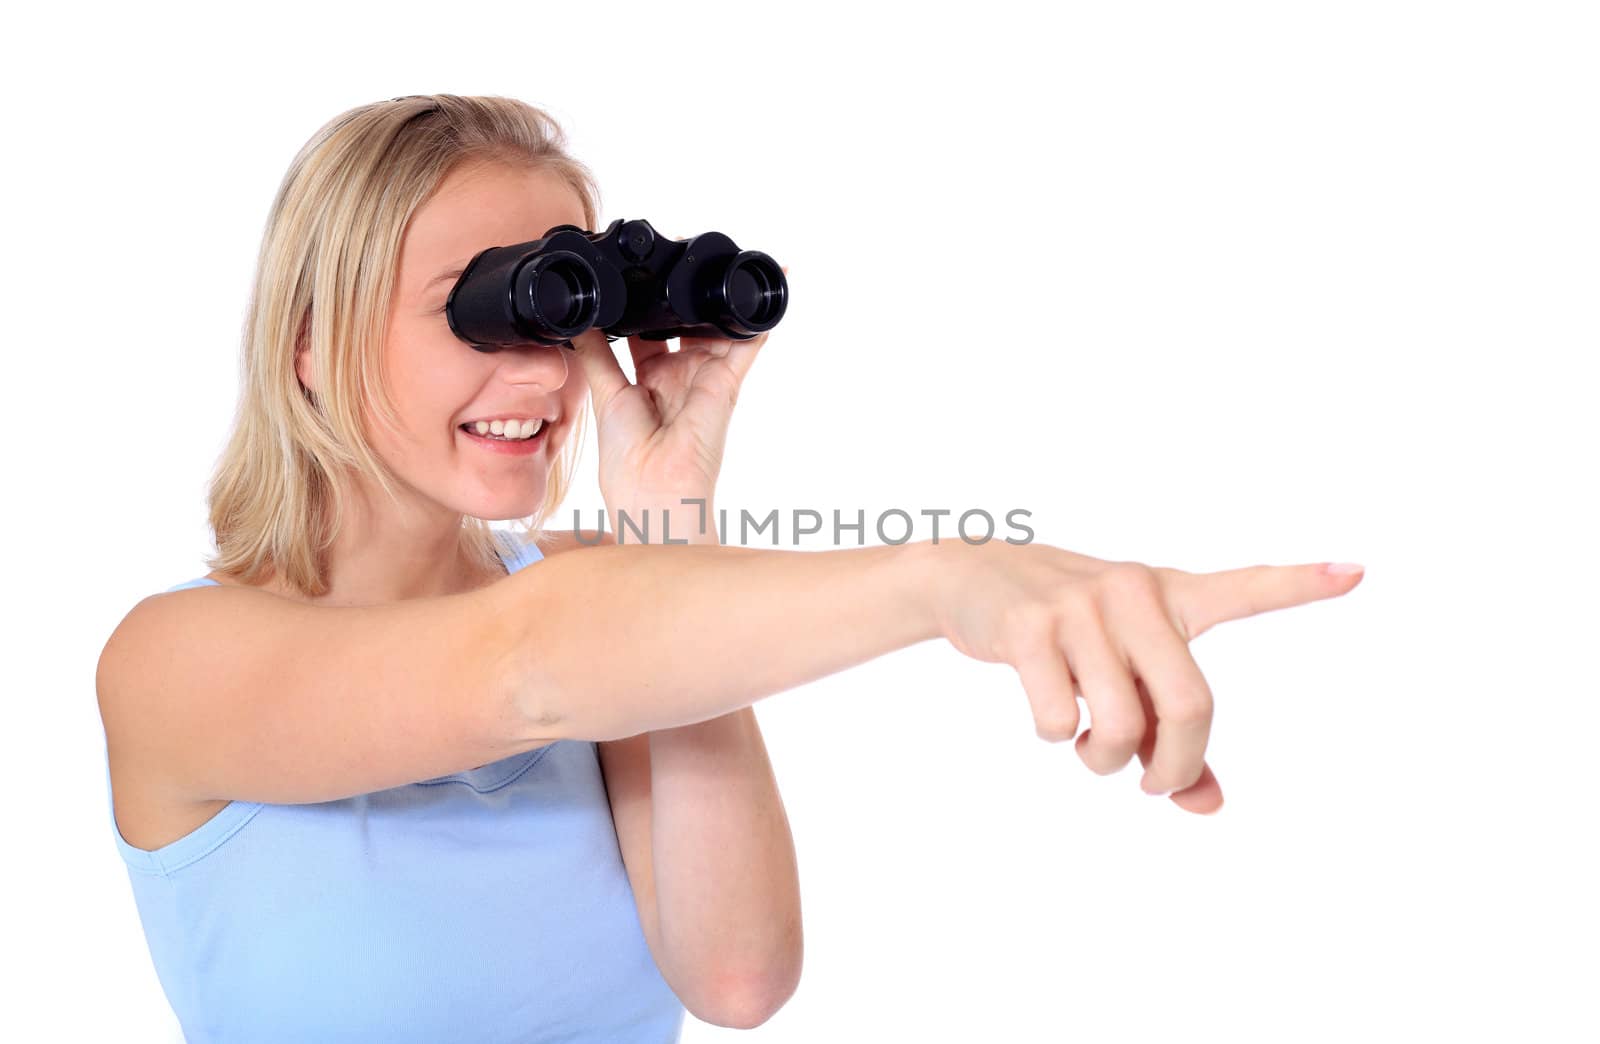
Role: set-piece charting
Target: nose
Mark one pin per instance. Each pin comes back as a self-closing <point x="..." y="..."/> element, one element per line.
<point x="537" y="366"/>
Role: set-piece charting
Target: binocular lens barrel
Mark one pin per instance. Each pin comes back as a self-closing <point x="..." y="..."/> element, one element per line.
<point x="751" y="294"/>
<point x="558" y="295"/>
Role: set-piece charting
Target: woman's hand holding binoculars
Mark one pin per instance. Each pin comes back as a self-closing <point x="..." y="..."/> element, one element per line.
<point x="661" y="437"/>
<point x="1117" y="634"/>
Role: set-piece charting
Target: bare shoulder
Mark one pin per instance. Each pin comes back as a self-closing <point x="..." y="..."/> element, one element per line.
<point x="146" y="814"/>
<point x="554" y="542"/>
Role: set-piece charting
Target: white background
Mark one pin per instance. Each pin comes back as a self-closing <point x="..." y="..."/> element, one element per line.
<point x="1201" y="285"/>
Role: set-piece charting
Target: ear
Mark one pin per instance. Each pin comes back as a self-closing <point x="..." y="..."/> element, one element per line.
<point x="302" y="355"/>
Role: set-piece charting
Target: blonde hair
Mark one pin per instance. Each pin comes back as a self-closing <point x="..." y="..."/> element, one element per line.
<point x="325" y="276"/>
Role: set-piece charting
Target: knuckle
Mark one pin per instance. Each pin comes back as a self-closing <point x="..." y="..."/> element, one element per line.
<point x="1192" y="710"/>
<point x="1075" y="601"/>
<point x="1168" y="575"/>
<point x="1129" y="581"/>
<point x="1029" y="625"/>
<point x="1119" y="736"/>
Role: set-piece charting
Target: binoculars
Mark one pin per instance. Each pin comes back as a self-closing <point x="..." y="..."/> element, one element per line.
<point x="627" y="280"/>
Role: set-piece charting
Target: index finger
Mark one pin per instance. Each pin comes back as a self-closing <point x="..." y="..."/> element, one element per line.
<point x="1203" y="600"/>
<point x="642" y="350"/>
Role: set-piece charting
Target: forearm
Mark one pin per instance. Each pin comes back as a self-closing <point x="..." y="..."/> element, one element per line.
<point x="621" y="640"/>
<point x="727" y="883"/>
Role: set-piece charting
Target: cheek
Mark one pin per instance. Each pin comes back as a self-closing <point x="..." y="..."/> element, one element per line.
<point x="427" y="384"/>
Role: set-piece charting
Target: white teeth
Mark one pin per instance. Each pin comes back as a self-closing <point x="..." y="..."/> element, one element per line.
<point x="509" y="429"/>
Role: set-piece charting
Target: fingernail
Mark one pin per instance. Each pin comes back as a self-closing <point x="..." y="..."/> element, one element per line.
<point x="1144" y="786"/>
<point x="1341" y="568"/>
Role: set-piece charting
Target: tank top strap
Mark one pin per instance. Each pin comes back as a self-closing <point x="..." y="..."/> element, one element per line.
<point x="517" y="551"/>
<point x="199" y="581"/>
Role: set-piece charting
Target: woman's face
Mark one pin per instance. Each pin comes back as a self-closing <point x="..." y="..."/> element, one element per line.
<point x="439" y="383"/>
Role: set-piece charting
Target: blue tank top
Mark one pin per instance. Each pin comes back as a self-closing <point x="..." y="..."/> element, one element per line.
<point x="487" y="905"/>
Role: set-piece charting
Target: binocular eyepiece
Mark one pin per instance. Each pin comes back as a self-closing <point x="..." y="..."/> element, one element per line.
<point x="627" y="280"/>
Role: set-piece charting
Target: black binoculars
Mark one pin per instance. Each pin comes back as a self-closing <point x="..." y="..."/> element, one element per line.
<point x="627" y="280"/>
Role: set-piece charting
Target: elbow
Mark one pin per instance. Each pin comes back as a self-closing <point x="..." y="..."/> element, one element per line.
<point x="745" y="1001"/>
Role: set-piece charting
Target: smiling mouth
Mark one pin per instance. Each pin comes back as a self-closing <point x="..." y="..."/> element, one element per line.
<point x="538" y="429"/>
<point x="514" y="447"/>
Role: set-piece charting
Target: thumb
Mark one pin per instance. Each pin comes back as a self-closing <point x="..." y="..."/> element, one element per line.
<point x="1202" y="600"/>
<point x="600" y="368"/>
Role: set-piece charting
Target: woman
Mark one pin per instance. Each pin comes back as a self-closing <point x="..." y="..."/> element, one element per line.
<point x="373" y="778"/>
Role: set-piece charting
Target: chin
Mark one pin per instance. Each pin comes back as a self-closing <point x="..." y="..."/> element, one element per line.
<point x="503" y="512"/>
<point x="499" y="509"/>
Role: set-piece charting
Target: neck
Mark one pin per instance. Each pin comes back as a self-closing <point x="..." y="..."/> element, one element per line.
<point x="403" y="553"/>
